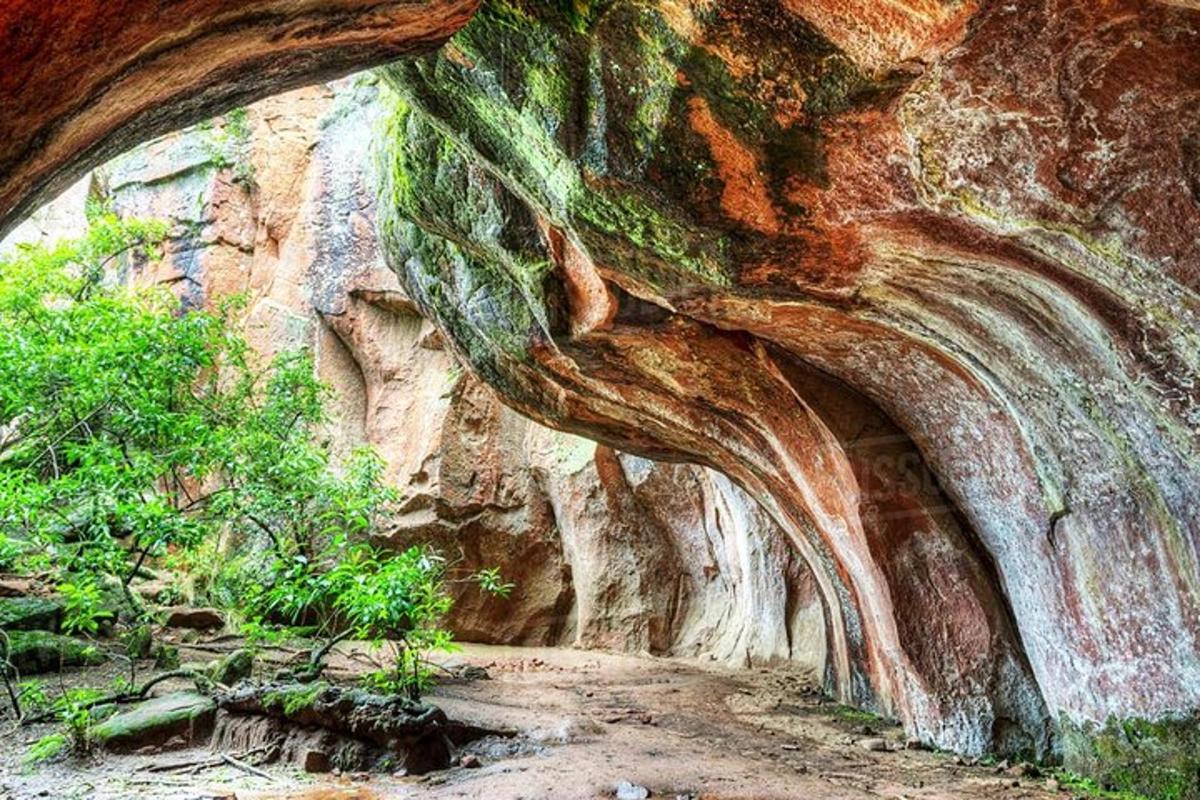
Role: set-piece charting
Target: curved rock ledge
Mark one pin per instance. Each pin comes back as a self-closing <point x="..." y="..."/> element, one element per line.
<point x="82" y="81"/>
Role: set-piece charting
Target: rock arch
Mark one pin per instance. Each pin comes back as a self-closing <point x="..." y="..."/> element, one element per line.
<point x="683" y="228"/>
<point x="640" y="221"/>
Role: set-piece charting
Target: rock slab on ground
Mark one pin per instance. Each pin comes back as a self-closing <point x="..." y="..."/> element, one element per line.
<point x="185" y="717"/>
<point x="30" y="614"/>
<point x="37" y="652"/>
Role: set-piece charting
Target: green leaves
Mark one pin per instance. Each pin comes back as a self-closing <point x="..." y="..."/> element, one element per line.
<point x="490" y="581"/>
<point x="83" y="606"/>
<point x="103" y="400"/>
<point x="132" y="428"/>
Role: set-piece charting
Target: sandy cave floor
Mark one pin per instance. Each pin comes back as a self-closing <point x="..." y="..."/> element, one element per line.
<point x="585" y="721"/>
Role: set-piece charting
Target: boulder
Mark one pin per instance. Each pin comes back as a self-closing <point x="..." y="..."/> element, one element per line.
<point x="234" y="667"/>
<point x="154" y="591"/>
<point x="631" y="791"/>
<point x="139" y="642"/>
<point x="356" y="729"/>
<point x="16" y="586"/>
<point x="30" y="613"/>
<point x="186" y="717"/>
<point x="37" y="652"/>
<point x="200" y="619"/>
<point x="165" y="656"/>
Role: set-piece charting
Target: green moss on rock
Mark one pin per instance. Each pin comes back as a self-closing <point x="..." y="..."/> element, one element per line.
<point x="30" y="614"/>
<point x="234" y="667"/>
<point x="186" y="716"/>
<point x="294" y="698"/>
<point x="582" y="110"/>
<point x="37" y="652"/>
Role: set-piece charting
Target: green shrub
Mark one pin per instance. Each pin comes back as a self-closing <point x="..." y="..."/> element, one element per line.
<point x="136" y="429"/>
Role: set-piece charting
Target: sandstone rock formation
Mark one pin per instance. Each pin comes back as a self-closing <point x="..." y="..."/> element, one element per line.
<point x="84" y="80"/>
<point x="920" y="276"/>
<point x="608" y="550"/>
<point x="756" y="234"/>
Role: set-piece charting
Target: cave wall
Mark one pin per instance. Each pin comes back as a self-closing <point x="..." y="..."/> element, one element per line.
<point x="639" y="221"/>
<point x="699" y="230"/>
<point x="275" y="202"/>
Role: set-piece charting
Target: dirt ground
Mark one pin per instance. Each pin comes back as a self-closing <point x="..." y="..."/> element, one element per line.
<point x="584" y="722"/>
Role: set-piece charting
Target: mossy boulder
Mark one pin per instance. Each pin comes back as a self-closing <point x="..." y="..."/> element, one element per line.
<point x="386" y="731"/>
<point x="30" y="613"/>
<point x="139" y="642"/>
<point x="183" y="717"/>
<point x="165" y="656"/>
<point x="235" y="667"/>
<point x="36" y="652"/>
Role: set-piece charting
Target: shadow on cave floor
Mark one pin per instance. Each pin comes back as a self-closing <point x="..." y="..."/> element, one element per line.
<point x="585" y="722"/>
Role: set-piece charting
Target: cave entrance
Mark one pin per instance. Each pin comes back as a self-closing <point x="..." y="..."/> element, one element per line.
<point x="648" y="600"/>
<point x="647" y="603"/>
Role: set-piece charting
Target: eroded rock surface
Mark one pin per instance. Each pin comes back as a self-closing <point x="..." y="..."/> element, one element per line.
<point x="182" y="718"/>
<point x="926" y="286"/>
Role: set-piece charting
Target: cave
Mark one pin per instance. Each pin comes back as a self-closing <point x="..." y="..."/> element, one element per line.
<point x="830" y="342"/>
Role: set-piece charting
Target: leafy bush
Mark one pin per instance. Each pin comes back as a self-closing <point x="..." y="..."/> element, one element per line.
<point x="134" y="429"/>
<point x="103" y="403"/>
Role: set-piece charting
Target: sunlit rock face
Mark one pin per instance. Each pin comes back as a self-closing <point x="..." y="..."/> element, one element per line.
<point x="922" y="280"/>
<point x="607" y="550"/>
<point x="84" y="80"/>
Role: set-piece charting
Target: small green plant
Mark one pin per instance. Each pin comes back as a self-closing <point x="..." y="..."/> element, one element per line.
<point x="32" y="696"/>
<point x="397" y="601"/>
<point x="1077" y="784"/>
<point x="83" y="606"/>
<point x="227" y="144"/>
<point x="76" y="717"/>
<point x="493" y="583"/>
<point x="852" y="714"/>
